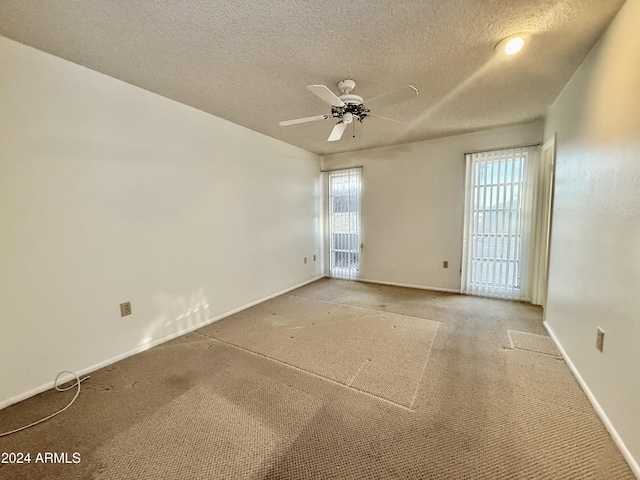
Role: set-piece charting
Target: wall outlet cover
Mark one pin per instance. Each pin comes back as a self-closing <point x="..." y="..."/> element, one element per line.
<point x="125" y="309"/>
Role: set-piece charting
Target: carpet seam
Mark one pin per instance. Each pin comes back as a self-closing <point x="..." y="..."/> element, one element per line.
<point x="330" y="380"/>
<point x="364" y="308"/>
<point x="356" y="375"/>
<point x="538" y="352"/>
<point x="366" y="361"/>
<point x="424" y="367"/>
<point x="513" y="347"/>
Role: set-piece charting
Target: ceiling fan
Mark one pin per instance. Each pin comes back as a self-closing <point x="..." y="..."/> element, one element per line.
<point x="349" y="107"/>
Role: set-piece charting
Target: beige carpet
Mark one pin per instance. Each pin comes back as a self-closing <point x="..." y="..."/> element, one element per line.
<point x="334" y="380"/>
<point x="533" y="343"/>
<point x="378" y="353"/>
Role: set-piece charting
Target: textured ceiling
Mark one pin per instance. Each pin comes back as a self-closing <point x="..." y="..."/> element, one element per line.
<point x="249" y="61"/>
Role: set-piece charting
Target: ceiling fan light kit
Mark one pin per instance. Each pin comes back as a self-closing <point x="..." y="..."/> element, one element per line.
<point x="349" y="107"/>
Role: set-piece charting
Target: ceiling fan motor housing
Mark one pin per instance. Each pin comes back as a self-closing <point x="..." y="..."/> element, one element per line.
<point x="350" y="99"/>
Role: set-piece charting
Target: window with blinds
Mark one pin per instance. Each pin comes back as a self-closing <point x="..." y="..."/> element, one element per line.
<point x="344" y="223"/>
<point x="497" y="222"/>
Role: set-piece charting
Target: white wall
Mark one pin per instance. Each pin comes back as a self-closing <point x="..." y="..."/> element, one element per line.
<point x="595" y="244"/>
<point x="413" y="202"/>
<point x="109" y="193"/>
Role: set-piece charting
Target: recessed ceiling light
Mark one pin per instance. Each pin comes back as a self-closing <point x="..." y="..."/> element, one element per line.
<point x="512" y="44"/>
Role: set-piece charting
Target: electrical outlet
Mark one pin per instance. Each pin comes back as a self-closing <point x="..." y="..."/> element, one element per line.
<point x="445" y="264"/>
<point x="125" y="309"/>
<point x="305" y="259"/>
<point x="314" y="258"/>
<point x="600" y="339"/>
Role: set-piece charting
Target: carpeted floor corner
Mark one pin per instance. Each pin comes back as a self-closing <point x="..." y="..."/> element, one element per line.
<point x="336" y="379"/>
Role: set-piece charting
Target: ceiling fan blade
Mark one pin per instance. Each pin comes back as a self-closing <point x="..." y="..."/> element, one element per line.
<point x="303" y="120"/>
<point x="385" y="118"/>
<point x="405" y="93"/>
<point x="336" y="133"/>
<point x="325" y="94"/>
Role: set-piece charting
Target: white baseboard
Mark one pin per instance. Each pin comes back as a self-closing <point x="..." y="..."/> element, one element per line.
<point x="633" y="464"/>
<point x="421" y="287"/>
<point x="105" y="363"/>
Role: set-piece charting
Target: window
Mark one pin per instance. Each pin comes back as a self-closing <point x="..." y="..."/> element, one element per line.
<point x="344" y="223"/>
<point x="498" y="222"/>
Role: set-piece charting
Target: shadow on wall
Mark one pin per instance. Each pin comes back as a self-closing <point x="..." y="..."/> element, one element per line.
<point x="179" y="314"/>
<point x="612" y="110"/>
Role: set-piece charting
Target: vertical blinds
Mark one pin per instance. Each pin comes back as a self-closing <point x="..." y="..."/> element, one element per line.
<point x="344" y="223"/>
<point x="497" y="222"/>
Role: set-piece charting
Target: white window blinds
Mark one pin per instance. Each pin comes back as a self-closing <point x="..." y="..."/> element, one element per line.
<point x="497" y="225"/>
<point x="344" y="223"/>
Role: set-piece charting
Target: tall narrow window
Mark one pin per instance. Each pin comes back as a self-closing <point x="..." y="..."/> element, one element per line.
<point x="344" y="223"/>
<point x="498" y="220"/>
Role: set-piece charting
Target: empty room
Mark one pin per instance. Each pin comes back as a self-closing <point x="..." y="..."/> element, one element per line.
<point x="318" y="240"/>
